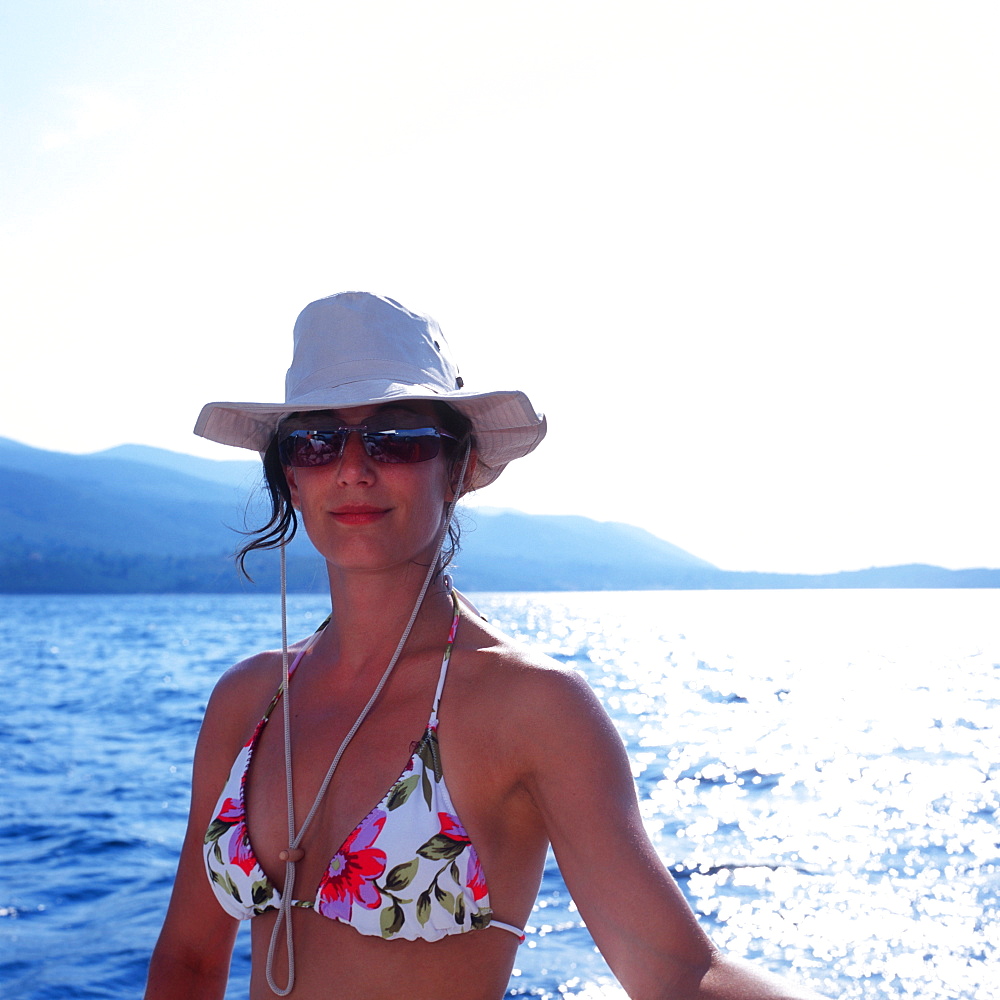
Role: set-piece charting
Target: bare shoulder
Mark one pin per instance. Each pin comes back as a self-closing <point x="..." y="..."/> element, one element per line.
<point x="527" y="693"/>
<point x="247" y="675"/>
<point x="495" y="658"/>
<point x="242" y="693"/>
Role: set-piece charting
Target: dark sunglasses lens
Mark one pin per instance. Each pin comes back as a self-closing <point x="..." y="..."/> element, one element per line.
<point x="305" y="449"/>
<point x="403" y="447"/>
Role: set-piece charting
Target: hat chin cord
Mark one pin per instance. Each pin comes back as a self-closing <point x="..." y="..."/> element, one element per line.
<point x="294" y="853"/>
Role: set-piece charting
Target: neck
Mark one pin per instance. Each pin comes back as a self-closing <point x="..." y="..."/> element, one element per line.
<point x="371" y="610"/>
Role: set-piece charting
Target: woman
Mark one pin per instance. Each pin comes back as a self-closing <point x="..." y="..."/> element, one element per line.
<point x="440" y="756"/>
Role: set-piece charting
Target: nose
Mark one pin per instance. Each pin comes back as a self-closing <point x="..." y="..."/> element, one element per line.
<point x="355" y="466"/>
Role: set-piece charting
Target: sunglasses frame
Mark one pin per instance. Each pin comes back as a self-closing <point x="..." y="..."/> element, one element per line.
<point x="369" y="441"/>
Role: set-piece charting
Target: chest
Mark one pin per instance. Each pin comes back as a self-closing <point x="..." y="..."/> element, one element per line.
<point x="370" y="764"/>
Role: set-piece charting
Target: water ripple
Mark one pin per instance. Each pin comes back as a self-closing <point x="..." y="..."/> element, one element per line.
<point x="819" y="769"/>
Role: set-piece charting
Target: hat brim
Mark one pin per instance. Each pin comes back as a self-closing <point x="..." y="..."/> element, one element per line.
<point x="504" y="422"/>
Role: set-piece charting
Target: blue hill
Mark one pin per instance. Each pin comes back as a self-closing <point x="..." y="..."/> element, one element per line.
<point x="139" y="519"/>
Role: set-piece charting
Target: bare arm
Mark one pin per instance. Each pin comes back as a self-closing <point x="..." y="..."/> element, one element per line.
<point x="581" y="782"/>
<point x="733" y="979"/>
<point x="192" y="955"/>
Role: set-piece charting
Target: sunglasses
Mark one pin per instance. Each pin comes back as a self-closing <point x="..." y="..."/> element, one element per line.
<point x="309" y="449"/>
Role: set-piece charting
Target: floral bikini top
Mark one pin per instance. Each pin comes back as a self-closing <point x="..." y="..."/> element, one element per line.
<point x="408" y="870"/>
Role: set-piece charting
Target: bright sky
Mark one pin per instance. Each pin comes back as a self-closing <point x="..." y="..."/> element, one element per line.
<point x="743" y="254"/>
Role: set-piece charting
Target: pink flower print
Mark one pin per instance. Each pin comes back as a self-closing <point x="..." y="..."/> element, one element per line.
<point x="231" y="824"/>
<point x="350" y="877"/>
<point x="232" y="811"/>
<point x="449" y="844"/>
<point x="451" y="827"/>
<point x="233" y="814"/>
<point x="240" y="852"/>
<point x="474" y="877"/>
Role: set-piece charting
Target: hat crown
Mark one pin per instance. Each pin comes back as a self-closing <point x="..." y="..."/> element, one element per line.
<point x="358" y="349"/>
<point x="354" y="337"/>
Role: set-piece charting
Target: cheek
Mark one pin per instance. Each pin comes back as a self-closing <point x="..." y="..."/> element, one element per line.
<point x="309" y="487"/>
<point x="432" y="503"/>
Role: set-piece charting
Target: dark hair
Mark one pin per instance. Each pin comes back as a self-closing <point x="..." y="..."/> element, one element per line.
<point x="283" y="523"/>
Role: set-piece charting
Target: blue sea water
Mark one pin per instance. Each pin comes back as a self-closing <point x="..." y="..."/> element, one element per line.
<point x="819" y="768"/>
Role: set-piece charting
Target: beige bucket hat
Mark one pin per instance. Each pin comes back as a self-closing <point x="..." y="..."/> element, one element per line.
<point x="359" y="349"/>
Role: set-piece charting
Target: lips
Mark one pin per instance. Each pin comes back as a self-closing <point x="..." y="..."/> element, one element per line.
<point x="358" y="514"/>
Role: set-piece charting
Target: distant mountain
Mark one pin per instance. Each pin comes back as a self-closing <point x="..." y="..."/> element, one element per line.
<point x="239" y="474"/>
<point x="141" y="520"/>
<point x="111" y="505"/>
<point x="508" y="550"/>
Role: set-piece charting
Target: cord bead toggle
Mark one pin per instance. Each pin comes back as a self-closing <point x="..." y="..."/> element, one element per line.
<point x="294" y="854"/>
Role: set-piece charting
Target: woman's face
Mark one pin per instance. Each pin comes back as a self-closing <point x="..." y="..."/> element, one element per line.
<point x="363" y="514"/>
